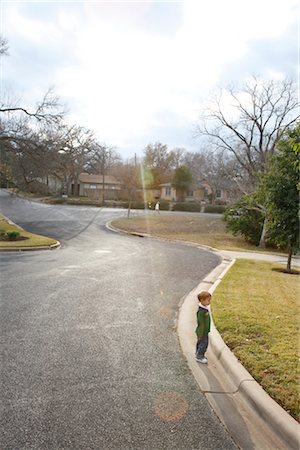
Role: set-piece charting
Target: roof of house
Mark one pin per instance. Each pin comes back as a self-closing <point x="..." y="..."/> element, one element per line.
<point x="97" y="179"/>
<point x="200" y="185"/>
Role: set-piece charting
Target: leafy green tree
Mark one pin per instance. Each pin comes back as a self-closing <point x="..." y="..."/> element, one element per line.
<point x="181" y="180"/>
<point x="281" y="185"/>
<point x="246" y="218"/>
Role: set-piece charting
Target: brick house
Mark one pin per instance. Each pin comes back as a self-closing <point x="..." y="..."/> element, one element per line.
<point x="202" y="192"/>
<point x="92" y="186"/>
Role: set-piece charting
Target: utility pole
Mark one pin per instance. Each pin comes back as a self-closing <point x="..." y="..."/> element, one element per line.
<point x="103" y="171"/>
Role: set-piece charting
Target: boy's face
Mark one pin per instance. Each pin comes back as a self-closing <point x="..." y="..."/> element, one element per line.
<point x="206" y="301"/>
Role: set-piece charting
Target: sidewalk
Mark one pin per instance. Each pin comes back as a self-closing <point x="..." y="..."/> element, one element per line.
<point x="259" y="256"/>
<point x="253" y="419"/>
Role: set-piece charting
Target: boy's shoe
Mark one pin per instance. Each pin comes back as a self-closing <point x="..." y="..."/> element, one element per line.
<point x="201" y="359"/>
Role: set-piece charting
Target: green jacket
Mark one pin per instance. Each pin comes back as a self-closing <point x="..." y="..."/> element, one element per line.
<point x="203" y="321"/>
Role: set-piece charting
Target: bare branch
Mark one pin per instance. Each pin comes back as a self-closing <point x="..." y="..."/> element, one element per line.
<point x="261" y="113"/>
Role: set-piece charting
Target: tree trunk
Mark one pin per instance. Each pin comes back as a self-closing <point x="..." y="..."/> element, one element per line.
<point x="129" y="207"/>
<point x="213" y="196"/>
<point x="76" y="191"/>
<point x="262" y="241"/>
<point x="103" y="187"/>
<point x="183" y="194"/>
<point x="289" y="260"/>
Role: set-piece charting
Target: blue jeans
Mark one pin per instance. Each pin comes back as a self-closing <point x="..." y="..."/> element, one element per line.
<point x="201" y="346"/>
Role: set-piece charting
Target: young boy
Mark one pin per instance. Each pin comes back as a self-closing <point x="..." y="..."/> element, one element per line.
<point x="203" y="326"/>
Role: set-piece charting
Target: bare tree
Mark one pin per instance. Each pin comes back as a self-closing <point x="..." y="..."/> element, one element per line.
<point x="215" y="170"/>
<point x="260" y="114"/>
<point x="27" y="159"/>
<point x="131" y="180"/>
<point x="195" y="162"/>
<point x="47" y="110"/>
<point x="102" y="159"/>
<point x="74" y="148"/>
<point x="179" y="154"/>
<point x="3" y="46"/>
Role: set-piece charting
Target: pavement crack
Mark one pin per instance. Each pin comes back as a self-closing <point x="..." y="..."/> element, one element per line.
<point x="208" y="391"/>
<point x="85" y="228"/>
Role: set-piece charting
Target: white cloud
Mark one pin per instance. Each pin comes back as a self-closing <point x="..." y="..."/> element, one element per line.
<point x="27" y="28"/>
<point x="126" y="81"/>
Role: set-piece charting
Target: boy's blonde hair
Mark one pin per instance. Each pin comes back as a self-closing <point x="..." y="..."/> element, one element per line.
<point x="203" y="295"/>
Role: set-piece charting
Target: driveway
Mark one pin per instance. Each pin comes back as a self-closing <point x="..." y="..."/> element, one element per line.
<point x="90" y="354"/>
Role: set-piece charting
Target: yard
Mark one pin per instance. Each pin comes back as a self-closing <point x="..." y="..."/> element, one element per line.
<point x="205" y="230"/>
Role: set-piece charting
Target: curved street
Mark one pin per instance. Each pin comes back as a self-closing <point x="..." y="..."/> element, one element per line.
<point x="90" y="354"/>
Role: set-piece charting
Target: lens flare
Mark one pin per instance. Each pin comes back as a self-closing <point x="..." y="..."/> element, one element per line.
<point x="170" y="406"/>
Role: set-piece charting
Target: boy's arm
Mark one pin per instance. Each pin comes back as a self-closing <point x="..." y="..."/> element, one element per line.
<point x="201" y="324"/>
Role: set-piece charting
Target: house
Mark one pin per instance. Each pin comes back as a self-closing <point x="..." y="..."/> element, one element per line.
<point x="92" y="186"/>
<point x="202" y="193"/>
<point x="168" y="192"/>
<point x="205" y="192"/>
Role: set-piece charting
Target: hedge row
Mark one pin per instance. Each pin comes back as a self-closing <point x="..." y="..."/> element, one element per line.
<point x="186" y="206"/>
<point x="214" y="209"/>
<point x="163" y="205"/>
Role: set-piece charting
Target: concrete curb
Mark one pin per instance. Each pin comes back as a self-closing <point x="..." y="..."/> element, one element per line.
<point x="32" y="249"/>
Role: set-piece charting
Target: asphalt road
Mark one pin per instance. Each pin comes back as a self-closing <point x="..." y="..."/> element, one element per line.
<point x="90" y="354"/>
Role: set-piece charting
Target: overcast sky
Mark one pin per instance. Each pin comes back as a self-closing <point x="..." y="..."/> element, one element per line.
<point x="137" y="72"/>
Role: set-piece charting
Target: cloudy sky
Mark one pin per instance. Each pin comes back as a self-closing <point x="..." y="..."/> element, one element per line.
<point x="137" y="72"/>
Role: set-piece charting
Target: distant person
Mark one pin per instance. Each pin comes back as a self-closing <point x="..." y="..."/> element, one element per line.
<point x="203" y="326"/>
<point x="157" y="207"/>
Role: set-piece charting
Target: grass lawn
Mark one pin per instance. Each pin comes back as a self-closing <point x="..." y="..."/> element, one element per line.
<point x="34" y="240"/>
<point x="201" y="230"/>
<point x="256" y="310"/>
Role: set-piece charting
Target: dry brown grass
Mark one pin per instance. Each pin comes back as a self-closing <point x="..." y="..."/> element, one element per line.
<point x="201" y="230"/>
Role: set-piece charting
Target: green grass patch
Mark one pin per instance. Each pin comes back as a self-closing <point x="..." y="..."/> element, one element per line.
<point x="256" y="310"/>
<point x="201" y="230"/>
<point x="33" y="240"/>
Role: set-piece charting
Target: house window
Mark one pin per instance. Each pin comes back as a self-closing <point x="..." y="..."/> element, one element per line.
<point x="218" y="193"/>
<point x="168" y="190"/>
<point x="93" y="186"/>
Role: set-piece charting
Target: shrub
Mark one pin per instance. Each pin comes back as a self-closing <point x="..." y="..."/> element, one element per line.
<point x="220" y="201"/>
<point x="218" y="209"/>
<point x="244" y="220"/>
<point x="55" y="201"/>
<point x="12" y="234"/>
<point x="186" y="206"/>
<point x="136" y="205"/>
<point x="164" y="205"/>
<point x="116" y="204"/>
<point x="2" y="232"/>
